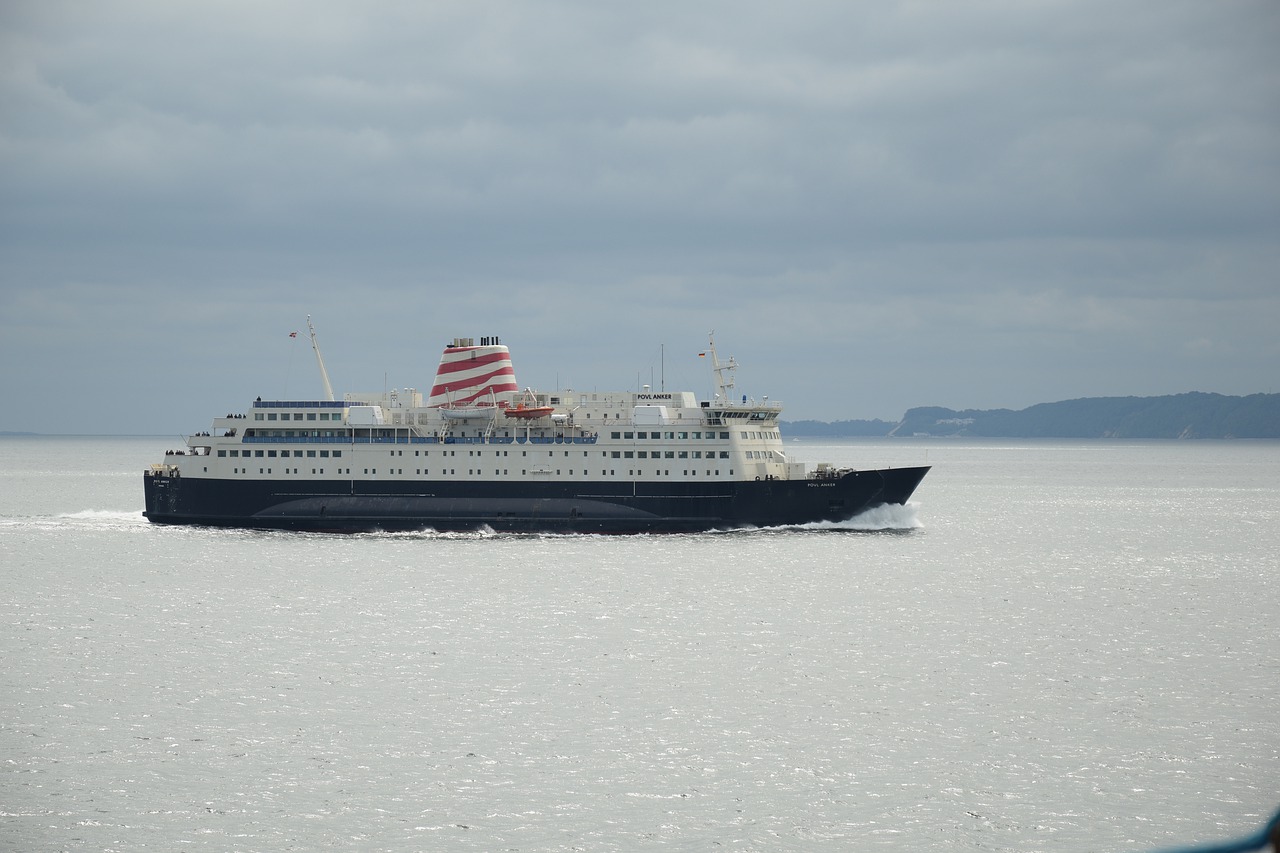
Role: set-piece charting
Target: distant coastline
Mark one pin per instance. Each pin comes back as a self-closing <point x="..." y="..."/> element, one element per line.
<point x="1184" y="416"/>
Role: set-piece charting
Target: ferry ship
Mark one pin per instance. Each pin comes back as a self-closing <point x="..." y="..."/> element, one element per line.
<point x="481" y="453"/>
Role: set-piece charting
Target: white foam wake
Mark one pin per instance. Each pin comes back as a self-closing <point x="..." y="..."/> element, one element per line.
<point x="89" y="519"/>
<point x="886" y="517"/>
<point x="897" y="517"/>
<point x="105" y="515"/>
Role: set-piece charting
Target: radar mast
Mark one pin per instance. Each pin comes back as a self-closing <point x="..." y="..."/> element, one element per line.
<point x="723" y="383"/>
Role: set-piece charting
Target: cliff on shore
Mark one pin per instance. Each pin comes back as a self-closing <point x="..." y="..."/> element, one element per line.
<point x="1192" y="415"/>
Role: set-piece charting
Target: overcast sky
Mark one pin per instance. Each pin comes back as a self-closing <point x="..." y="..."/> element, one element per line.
<point x="875" y="205"/>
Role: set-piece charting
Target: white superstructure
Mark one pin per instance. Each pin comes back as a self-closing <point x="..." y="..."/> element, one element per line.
<point x="477" y="423"/>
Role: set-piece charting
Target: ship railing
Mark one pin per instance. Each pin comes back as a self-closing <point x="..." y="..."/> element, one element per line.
<point x="304" y="404"/>
<point x="304" y="439"/>
<point x="414" y="439"/>
<point x="520" y="439"/>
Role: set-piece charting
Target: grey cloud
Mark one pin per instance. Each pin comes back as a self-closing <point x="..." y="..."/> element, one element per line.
<point x="980" y="204"/>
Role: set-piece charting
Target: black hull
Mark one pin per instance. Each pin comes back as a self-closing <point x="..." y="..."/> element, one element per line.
<point x="561" y="507"/>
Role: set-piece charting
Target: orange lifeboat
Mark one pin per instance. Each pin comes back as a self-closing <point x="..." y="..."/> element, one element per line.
<point x="520" y="410"/>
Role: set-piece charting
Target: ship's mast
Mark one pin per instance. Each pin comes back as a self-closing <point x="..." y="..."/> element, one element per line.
<point x="723" y="384"/>
<point x="324" y="374"/>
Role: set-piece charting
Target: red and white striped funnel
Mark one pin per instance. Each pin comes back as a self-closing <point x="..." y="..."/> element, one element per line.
<point x="468" y="373"/>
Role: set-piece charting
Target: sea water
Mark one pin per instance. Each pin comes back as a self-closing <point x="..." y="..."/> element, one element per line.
<point x="1057" y="646"/>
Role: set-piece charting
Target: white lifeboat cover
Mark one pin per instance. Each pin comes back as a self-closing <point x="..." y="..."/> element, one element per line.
<point x="650" y="415"/>
<point x="365" y="415"/>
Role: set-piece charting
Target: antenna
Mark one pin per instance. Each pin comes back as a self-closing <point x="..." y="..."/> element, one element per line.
<point x="722" y="384"/>
<point x="324" y="374"/>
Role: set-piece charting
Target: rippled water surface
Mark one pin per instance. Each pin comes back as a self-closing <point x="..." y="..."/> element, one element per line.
<point x="1057" y="646"/>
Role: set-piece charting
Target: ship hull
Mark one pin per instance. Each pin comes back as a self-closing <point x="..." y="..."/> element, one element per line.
<point x="551" y="506"/>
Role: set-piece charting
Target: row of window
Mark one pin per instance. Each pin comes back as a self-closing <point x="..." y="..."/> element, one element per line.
<point x="668" y="435"/>
<point x="424" y="472"/>
<point x="664" y="454"/>
<point x="289" y="471"/>
<point x="613" y="454"/>
<point x="297" y="416"/>
<point x="618" y="434"/>
<point x="272" y="454"/>
<point x="757" y="435"/>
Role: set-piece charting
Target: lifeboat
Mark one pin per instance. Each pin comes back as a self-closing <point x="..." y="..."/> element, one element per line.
<point x="462" y="413"/>
<point x="520" y="410"/>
